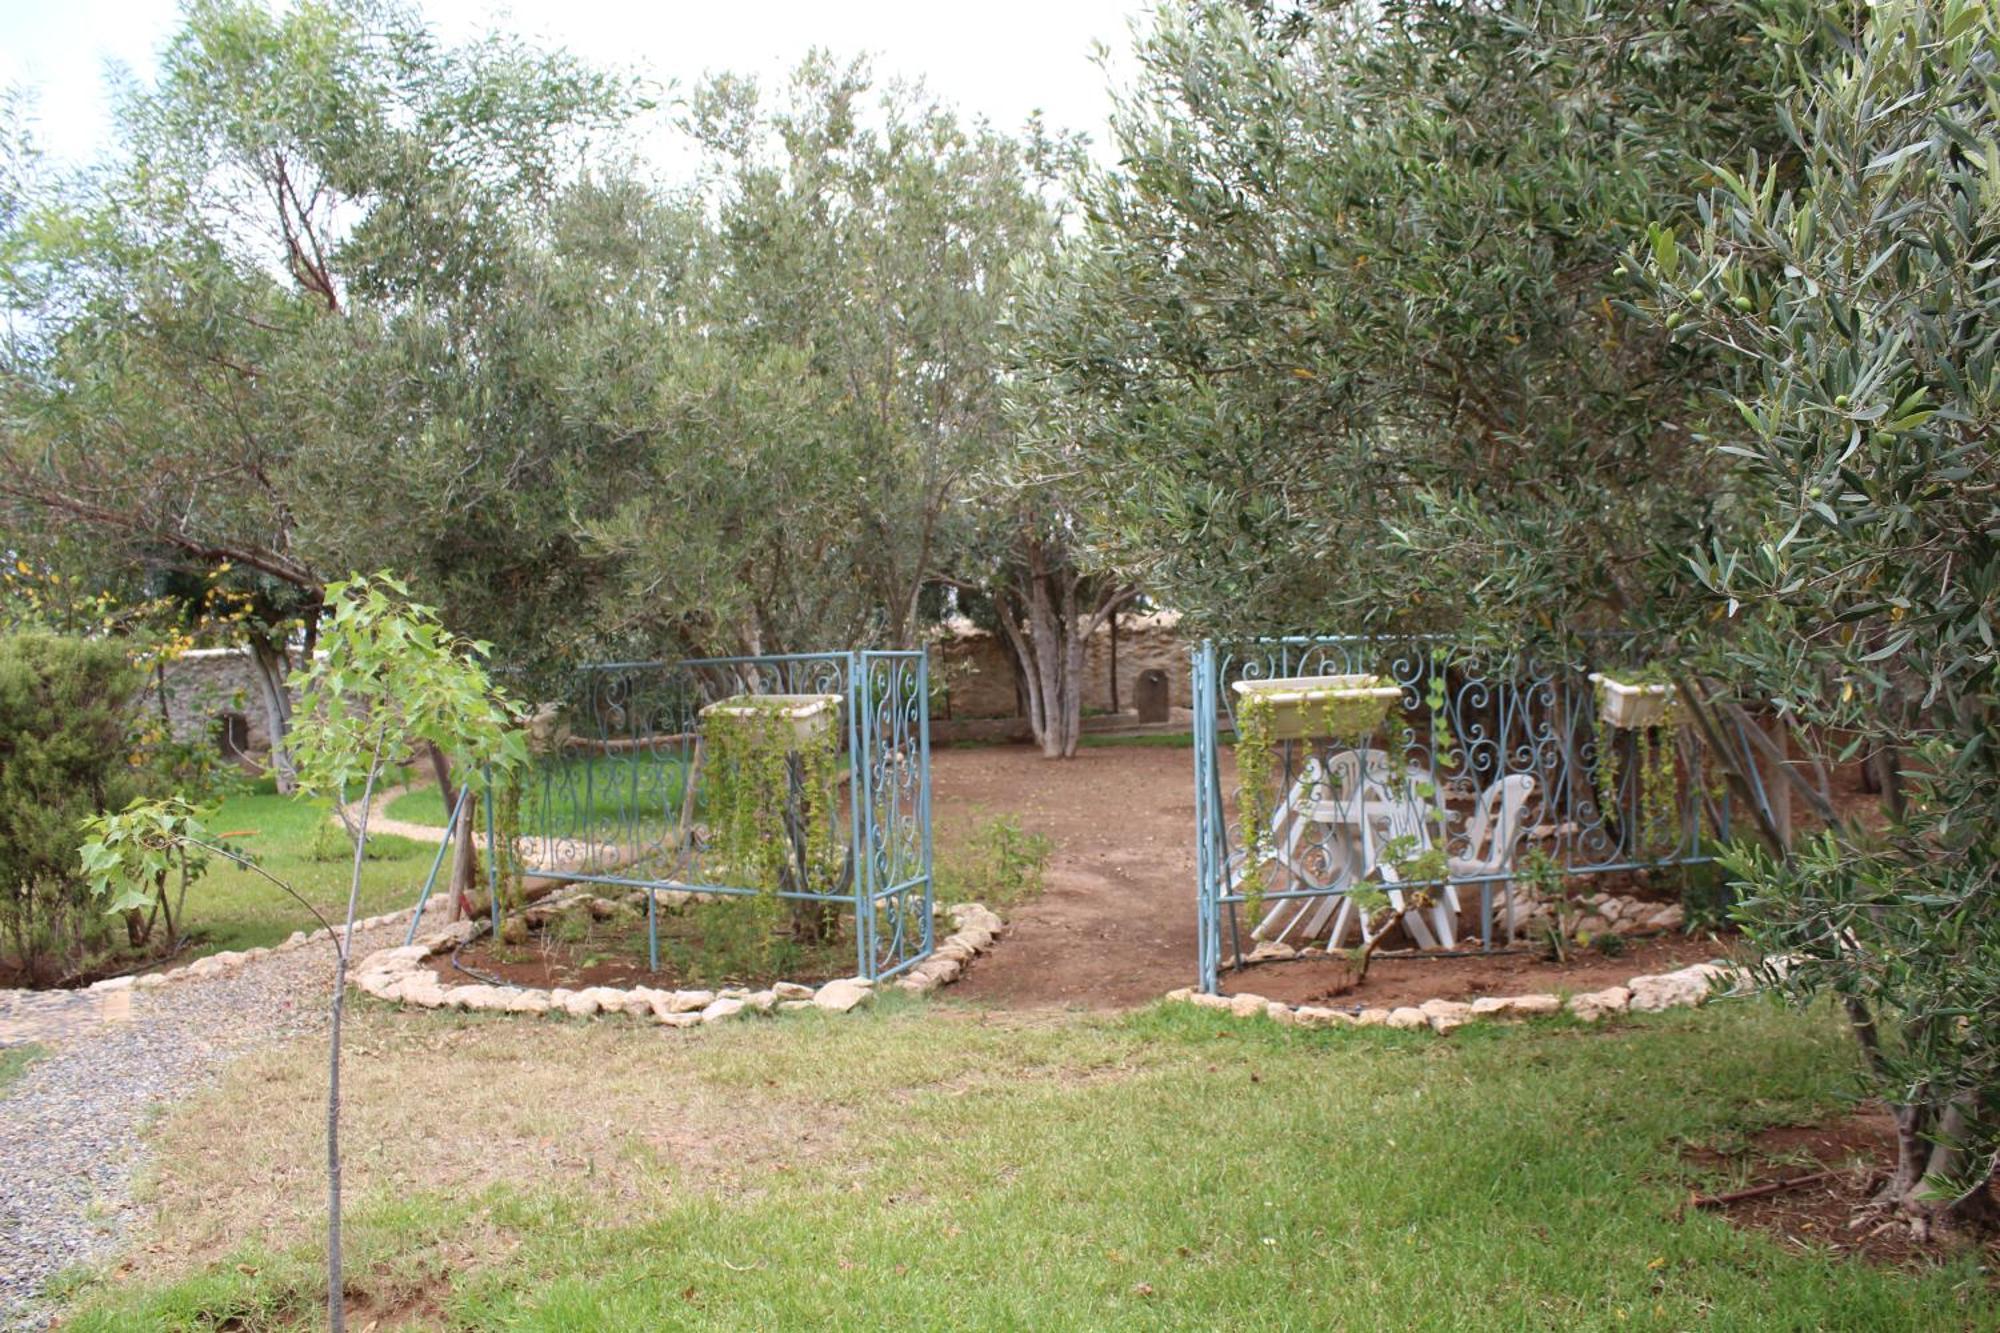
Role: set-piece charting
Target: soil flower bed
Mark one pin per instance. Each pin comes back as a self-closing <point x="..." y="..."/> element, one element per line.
<point x="407" y="975"/>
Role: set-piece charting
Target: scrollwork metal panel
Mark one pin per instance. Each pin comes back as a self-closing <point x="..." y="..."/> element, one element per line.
<point x="1593" y="812"/>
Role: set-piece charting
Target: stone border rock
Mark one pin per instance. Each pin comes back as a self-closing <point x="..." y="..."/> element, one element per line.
<point x="1682" y="989"/>
<point x="229" y="961"/>
<point x="401" y="975"/>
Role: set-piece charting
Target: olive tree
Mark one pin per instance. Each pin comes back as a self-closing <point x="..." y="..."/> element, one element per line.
<point x="1849" y="277"/>
<point x="200" y="323"/>
<point x="816" y="405"/>
<point x="1344" y="332"/>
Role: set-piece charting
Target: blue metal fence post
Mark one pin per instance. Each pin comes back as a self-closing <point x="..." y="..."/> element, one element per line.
<point x="861" y="816"/>
<point x="430" y="880"/>
<point x="924" y="795"/>
<point x="1208" y="937"/>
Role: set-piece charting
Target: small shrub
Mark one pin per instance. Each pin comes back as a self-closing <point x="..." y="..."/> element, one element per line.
<point x="1001" y="865"/>
<point x="65" y="720"/>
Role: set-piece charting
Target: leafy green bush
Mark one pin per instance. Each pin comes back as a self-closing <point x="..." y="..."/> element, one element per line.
<point x="65" y="716"/>
<point x="1000" y="865"/>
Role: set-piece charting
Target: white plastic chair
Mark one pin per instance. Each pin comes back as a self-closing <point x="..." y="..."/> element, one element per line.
<point x="1493" y="836"/>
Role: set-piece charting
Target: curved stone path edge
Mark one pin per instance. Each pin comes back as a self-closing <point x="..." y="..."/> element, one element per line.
<point x="403" y="975"/>
<point x="1683" y="988"/>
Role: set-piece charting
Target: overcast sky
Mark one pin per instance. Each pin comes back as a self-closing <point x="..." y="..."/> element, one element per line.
<point x="1001" y="60"/>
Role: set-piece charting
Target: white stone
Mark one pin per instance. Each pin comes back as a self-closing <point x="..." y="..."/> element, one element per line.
<point x="955" y="952"/>
<point x="1611" y="908"/>
<point x="1316" y="1016"/>
<point x="1247" y="1005"/>
<point x="680" y="1020"/>
<point x="792" y="990"/>
<point x="722" y="1009"/>
<point x="1669" y="990"/>
<point x="976" y="940"/>
<point x="762" y="1001"/>
<point x="149" y="981"/>
<point x="793" y="1006"/>
<point x="1408" y="1016"/>
<point x="480" y="999"/>
<point x="1593" y="1005"/>
<point x="112" y="983"/>
<point x="1206" y="1001"/>
<point x="838" y="997"/>
<point x="1181" y="996"/>
<point x="1372" y="1018"/>
<point x="582" y="1004"/>
<point x="917" y="984"/>
<point x="413" y="985"/>
<point x="1518" y="1006"/>
<point x="942" y="971"/>
<point x="528" y="1002"/>
<point x="1670" y="917"/>
<point x="689" y="1001"/>
<point x="1446" y="1015"/>
<point x="733" y="993"/>
<point x="1270" y="951"/>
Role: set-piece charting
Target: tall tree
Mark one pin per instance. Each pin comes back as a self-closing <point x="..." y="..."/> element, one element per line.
<point x="832" y="384"/>
<point x="1850" y="276"/>
<point x="1345" y="326"/>
<point x="292" y="182"/>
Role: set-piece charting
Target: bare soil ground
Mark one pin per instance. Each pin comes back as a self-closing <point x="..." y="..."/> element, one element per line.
<point x="1839" y="1165"/>
<point x="1393" y="981"/>
<point x="1115" y="927"/>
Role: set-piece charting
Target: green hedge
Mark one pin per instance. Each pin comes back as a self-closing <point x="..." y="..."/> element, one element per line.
<point x="65" y="716"/>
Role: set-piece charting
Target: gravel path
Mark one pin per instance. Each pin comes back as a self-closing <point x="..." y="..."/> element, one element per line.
<point x="70" y="1128"/>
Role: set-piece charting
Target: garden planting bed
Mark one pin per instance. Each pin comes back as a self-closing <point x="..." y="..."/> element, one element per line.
<point x="1808" y="1184"/>
<point x="591" y="939"/>
<point x="412" y="975"/>
<point x="1400" y="979"/>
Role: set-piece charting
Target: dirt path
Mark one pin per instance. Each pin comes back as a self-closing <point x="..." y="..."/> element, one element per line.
<point x="1116" y="926"/>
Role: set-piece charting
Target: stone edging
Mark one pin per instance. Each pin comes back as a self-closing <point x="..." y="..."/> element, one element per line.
<point x="401" y="975"/>
<point x="1682" y="989"/>
<point x="230" y="961"/>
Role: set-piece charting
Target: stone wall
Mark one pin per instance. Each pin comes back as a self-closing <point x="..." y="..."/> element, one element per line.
<point x="979" y="680"/>
<point x="206" y="685"/>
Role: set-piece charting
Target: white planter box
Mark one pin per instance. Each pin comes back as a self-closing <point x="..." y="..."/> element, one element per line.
<point x="1631" y="707"/>
<point x="809" y="716"/>
<point x="1341" y="707"/>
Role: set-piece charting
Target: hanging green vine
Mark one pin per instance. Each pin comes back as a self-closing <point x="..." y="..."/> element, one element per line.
<point x="770" y="797"/>
<point x="1254" y="744"/>
<point x="1658" y="776"/>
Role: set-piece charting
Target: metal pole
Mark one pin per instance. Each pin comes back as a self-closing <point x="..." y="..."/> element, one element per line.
<point x="430" y="880"/>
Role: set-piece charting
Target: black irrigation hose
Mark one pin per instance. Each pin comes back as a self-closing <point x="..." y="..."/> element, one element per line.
<point x="477" y="975"/>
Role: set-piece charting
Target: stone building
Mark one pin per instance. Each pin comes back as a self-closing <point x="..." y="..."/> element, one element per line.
<point x="978" y="676"/>
<point x="211" y="693"/>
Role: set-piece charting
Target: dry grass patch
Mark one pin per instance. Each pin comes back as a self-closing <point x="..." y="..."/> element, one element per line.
<point x="451" y="1105"/>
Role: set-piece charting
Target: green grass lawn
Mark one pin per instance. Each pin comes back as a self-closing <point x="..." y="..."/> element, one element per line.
<point x="295" y="840"/>
<point x="575" y="793"/>
<point x="14" y="1062"/>
<point x="930" y="1166"/>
